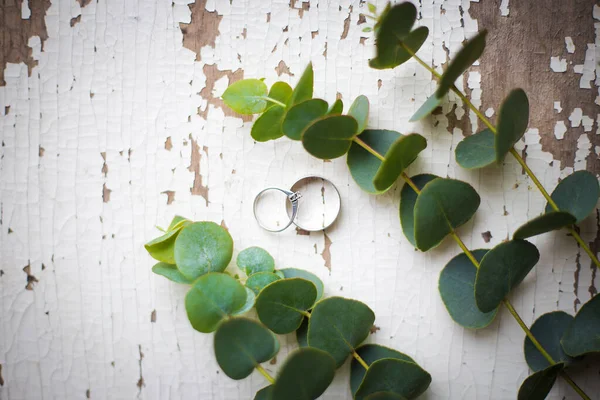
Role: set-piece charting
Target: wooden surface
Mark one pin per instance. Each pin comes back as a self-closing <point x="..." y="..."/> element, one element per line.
<point x="111" y="123"/>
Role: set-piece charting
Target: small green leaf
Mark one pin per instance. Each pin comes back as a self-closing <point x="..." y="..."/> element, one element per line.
<point x="302" y="333"/>
<point x="336" y="108"/>
<point x="162" y="248"/>
<point x="582" y="336"/>
<point x="443" y="205"/>
<point x="401" y="377"/>
<point x="544" y="223"/>
<point x="170" y="272"/>
<point x="250" y="300"/>
<point x="372" y="8"/>
<point x="470" y="52"/>
<point x="305" y="375"/>
<point x="304" y="89"/>
<point x="241" y="344"/>
<point x="360" y="111"/>
<point x="513" y="119"/>
<point x="309" y="276"/>
<point x="264" y="393"/>
<point x="246" y="96"/>
<point x="282" y="305"/>
<point x="371" y="353"/>
<point x="501" y="270"/>
<point x="268" y="126"/>
<point x="212" y="298"/>
<point x="301" y="115"/>
<point x="457" y="288"/>
<point x="427" y="108"/>
<point x="363" y="165"/>
<point x="338" y="325"/>
<point x="577" y="194"/>
<point x="408" y="199"/>
<point x="176" y="222"/>
<point x="367" y="29"/>
<point x="476" y="151"/>
<point x="203" y="247"/>
<point x="330" y="137"/>
<point x="280" y="91"/>
<point x="538" y="385"/>
<point x="548" y="330"/>
<point x="255" y="259"/>
<point x="401" y="154"/>
<point x="391" y="53"/>
<point x="258" y="281"/>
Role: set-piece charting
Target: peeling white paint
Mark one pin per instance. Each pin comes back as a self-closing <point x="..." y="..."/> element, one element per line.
<point x="559" y="130"/>
<point x="558" y="64"/>
<point x="584" y="147"/>
<point x="557" y="106"/>
<point x="587" y="123"/>
<point x="489" y="112"/>
<point x="575" y="117"/>
<point x="504" y="10"/>
<point x="570" y="46"/>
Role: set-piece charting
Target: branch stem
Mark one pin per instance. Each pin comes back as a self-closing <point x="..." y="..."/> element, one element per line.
<point x="368" y="148"/>
<point x="360" y="360"/>
<point x="264" y="373"/>
<point x="272" y="100"/>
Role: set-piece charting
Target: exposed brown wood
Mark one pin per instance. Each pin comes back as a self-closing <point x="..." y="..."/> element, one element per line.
<point x="202" y="30"/>
<point x="197" y="189"/>
<point x="213" y="74"/>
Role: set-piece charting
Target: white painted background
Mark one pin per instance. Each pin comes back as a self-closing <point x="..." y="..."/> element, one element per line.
<point x="84" y="327"/>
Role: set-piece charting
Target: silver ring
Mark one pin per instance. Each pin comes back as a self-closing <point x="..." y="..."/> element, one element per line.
<point x="291" y="197"/>
<point x="324" y="226"/>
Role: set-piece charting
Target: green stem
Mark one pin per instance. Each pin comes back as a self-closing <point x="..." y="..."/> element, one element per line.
<point x="264" y="373"/>
<point x="305" y="313"/>
<point x="272" y="100"/>
<point x="360" y="360"/>
<point x="570" y="381"/>
<point x="368" y="148"/>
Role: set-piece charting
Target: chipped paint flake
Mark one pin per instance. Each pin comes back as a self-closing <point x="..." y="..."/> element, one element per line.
<point x="558" y="64"/>
<point x="504" y="10"/>
<point x="570" y="46"/>
<point x="559" y="130"/>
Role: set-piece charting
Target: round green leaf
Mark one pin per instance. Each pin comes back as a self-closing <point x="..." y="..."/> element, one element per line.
<point x="336" y="108"/>
<point x="513" y="119"/>
<point x="264" y="393"/>
<point x="538" y="385"/>
<point x="544" y="223"/>
<point x="476" y="151"/>
<point x="282" y="305"/>
<point x="371" y="353"/>
<point x="241" y="344"/>
<point x="203" y="247"/>
<point x="502" y="269"/>
<point x="301" y="116"/>
<point x="427" y="108"/>
<point x="304" y="89"/>
<point x="401" y="377"/>
<point x="577" y="194"/>
<point x="212" y="298"/>
<point x="163" y="247"/>
<point x="330" y="137"/>
<point x="170" y="272"/>
<point x="309" y="276"/>
<point x="246" y="96"/>
<point x="400" y="155"/>
<point x="391" y="53"/>
<point x="360" y="111"/>
<point x="457" y="288"/>
<point x="548" y="330"/>
<point x="363" y="165"/>
<point x="338" y="325"/>
<point x="255" y="259"/>
<point x="470" y="52"/>
<point x="268" y="126"/>
<point x="302" y="333"/>
<point x="258" y="281"/>
<point x="583" y="334"/>
<point x="280" y="91"/>
<point x="176" y="222"/>
<point x="443" y="205"/>
<point x="305" y="375"/>
<point x="250" y="300"/>
<point x="408" y="199"/>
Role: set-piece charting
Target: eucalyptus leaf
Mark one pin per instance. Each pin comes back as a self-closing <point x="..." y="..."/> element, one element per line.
<point x="302" y="333"/>
<point x="538" y="385"/>
<point x="476" y="151"/>
<point x="457" y="288"/>
<point x="577" y="194"/>
<point x="281" y="92"/>
<point x="401" y="154"/>
<point x="583" y="334"/>
<point x="548" y="330"/>
<point x="258" y="281"/>
<point x="250" y="300"/>
<point x="336" y="108"/>
<point x="443" y="205"/>
<point x="391" y="53"/>
<point x="162" y="248"/>
<point x="202" y="247"/>
<point x="513" y="119"/>
<point x="371" y="353"/>
<point x="408" y="199"/>
<point x="268" y="125"/>
<point x="401" y="377"/>
<point x="360" y="111"/>
<point x="544" y="223"/>
<point x="212" y="298"/>
<point x="330" y="137"/>
<point x="246" y="96"/>
<point x="304" y="88"/>
<point x="241" y="344"/>
<point x="301" y="115"/>
<point x="338" y="325"/>
<point x="170" y="272"/>
<point x="264" y="393"/>
<point x="427" y="108"/>
<point x="363" y="165"/>
<point x="255" y="259"/>
<point x="309" y="276"/>
<point x="501" y="270"/>
<point x="470" y="52"/>
<point x="177" y="221"/>
<point x="282" y="305"/>
<point x="305" y="375"/>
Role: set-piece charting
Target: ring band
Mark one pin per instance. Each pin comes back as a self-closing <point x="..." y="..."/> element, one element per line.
<point x="324" y="226"/>
<point x="291" y="197"/>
